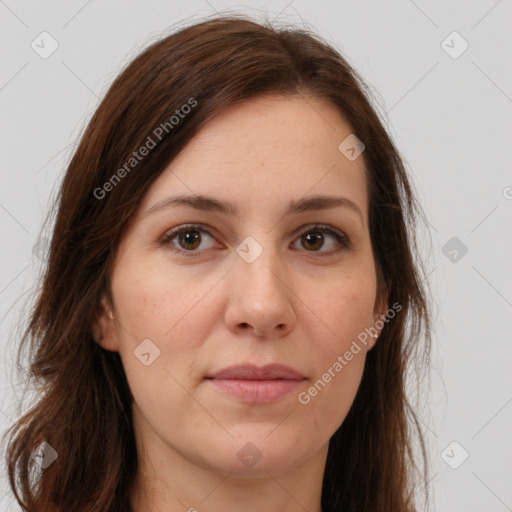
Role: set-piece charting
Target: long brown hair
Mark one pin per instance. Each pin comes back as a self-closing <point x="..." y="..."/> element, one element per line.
<point x="83" y="409"/>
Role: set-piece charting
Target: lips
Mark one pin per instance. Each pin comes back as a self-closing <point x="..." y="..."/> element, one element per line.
<point x="253" y="384"/>
<point x="252" y="372"/>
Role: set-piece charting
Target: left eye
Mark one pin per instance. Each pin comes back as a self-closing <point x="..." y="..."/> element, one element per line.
<point x="189" y="238"/>
<point x="315" y="238"/>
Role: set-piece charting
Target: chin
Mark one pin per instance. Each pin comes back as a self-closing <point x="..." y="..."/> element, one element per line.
<point x="257" y="455"/>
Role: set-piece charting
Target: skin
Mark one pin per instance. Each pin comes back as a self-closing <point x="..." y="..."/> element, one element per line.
<point x="298" y="304"/>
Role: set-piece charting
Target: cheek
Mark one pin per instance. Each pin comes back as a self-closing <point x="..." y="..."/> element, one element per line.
<point x="149" y="307"/>
<point x="162" y="303"/>
<point x="151" y="304"/>
<point x="330" y="395"/>
<point x="347" y="310"/>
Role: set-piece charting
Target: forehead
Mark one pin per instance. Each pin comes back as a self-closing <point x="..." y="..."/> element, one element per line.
<point x="267" y="149"/>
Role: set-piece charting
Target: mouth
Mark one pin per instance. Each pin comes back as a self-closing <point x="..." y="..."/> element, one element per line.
<point x="250" y="383"/>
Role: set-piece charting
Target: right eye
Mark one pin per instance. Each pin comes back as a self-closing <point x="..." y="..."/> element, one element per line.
<point x="185" y="239"/>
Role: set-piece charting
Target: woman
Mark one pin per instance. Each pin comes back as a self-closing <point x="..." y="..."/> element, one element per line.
<point x="232" y="297"/>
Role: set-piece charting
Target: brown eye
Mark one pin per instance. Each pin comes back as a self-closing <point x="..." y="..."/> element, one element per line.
<point x="314" y="239"/>
<point x="189" y="239"/>
<point x="186" y="239"/>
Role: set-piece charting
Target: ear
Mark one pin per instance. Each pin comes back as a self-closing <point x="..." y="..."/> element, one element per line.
<point x="104" y="327"/>
<point x="379" y="315"/>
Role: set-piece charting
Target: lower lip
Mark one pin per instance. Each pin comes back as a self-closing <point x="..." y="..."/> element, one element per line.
<point x="259" y="391"/>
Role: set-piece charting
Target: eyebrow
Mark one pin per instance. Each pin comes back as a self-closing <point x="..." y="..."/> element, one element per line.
<point x="206" y="203"/>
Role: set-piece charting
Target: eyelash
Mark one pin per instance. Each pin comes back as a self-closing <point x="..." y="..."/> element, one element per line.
<point x="167" y="238"/>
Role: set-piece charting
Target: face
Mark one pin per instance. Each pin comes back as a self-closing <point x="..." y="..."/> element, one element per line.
<point x="265" y="283"/>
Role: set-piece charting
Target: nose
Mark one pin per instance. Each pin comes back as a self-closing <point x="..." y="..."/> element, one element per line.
<point x="260" y="296"/>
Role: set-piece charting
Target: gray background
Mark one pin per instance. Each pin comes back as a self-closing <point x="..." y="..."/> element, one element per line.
<point x="451" y="118"/>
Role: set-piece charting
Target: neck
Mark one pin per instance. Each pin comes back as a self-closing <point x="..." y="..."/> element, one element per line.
<point x="167" y="481"/>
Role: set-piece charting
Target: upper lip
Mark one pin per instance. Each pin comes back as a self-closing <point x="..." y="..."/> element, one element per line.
<point x="253" y="372"/>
